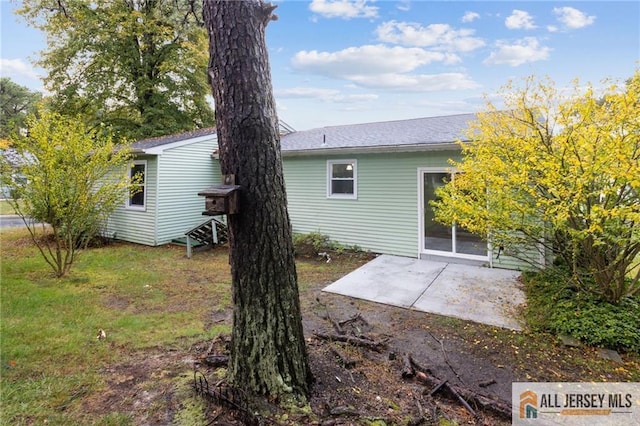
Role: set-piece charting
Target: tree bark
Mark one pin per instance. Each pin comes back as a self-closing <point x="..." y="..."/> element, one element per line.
<point x="268" y="352"/>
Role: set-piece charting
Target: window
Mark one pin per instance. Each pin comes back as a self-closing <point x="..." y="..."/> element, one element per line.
<point x="342" y="179"/>
<point x="138" y="195"/>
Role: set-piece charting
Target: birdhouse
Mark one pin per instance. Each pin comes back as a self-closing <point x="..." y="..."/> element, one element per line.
<point x="221" y="199"/>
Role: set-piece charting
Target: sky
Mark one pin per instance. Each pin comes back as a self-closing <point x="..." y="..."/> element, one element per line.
<point x="337" y="62"/>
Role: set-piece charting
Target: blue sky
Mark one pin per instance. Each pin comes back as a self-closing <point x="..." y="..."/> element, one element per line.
<point x="340" y="62"/>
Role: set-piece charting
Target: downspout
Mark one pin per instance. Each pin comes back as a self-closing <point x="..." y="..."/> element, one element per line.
<point x="157" y="196"/>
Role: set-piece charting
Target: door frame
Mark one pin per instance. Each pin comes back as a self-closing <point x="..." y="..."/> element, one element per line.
<point x="421" y="237"/>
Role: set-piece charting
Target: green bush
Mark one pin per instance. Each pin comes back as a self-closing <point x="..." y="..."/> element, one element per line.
<point x="315" y="240"/>
<point x="556" y="305"/>
<point x="313" y="243"/>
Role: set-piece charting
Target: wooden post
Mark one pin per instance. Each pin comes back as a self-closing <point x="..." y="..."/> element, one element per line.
<point x="188" y="247"/>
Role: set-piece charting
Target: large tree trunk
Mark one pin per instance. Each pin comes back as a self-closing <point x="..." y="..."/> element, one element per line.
<point x="268" y="355"/>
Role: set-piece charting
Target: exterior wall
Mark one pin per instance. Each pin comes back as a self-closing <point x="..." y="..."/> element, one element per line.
<point x="173" y="206"/>
<point x="384" y="217"/>
<point x="185" y="171"/>
<point x="536" y="258"/>
<point x="134" y="225"/>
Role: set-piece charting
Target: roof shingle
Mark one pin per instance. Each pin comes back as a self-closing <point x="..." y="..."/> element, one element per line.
<point x="394" y="134"/>
<point x="164" y="140"/>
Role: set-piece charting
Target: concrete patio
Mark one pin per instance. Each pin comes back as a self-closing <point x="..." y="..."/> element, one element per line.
<point x="475" y="293"/>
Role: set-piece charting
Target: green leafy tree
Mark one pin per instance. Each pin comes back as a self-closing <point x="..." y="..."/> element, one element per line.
<point x="69" y="179"/>
<point x="16" y="102"/>
<point x="138" y="66"/>
<point x="561" y="172"/>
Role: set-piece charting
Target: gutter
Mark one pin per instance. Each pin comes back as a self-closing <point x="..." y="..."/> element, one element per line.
<point x="441" y="146"/>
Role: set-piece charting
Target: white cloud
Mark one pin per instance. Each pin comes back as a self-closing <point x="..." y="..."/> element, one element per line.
<point x="383" y="67"/>
<point x="439" y="36"/>
<point x="573" y="18"/>
<point x="519" y="20"/>
<point x="416" y="82"/>
<point x="470" y="16"/>
<point x="404" y="5"/>
<point x="306" y="92"/>
<point x="368" y="59"/>
<point x="351" y="99"/>
<point x="552" y="28"/>
<point x="13" y="68"/>
<point x="325" y="95"/>
<point x="345" y="9"/>
<point x="522" y="51"/>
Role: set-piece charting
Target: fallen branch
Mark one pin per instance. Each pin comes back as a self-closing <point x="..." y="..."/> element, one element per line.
<point x="445" y="384"/>
<point x="216" y="360"/>
<point x="446" y="358"/>
<point x="420" y="418"/>
<point x="407" y="369"/>
<point x="336" y="325"/>
<point x="437" y="387"/>
<point x="355" y="341"/>
<point x="496" y="406"/>
<point x="417" y="366"/>
<point x="227" y="396"/>
<point x="344" y="360"/>
<point x="487" y="383"/>
<point x="464" y="403"/>
<point x="352" y="319"/>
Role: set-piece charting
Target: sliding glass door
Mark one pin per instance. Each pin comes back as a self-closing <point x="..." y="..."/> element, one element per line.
<point x="441" y="239"/>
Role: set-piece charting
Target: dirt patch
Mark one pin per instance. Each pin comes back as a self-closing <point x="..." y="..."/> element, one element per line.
<point x="374" y="386"/>
<point x="143" y="387"/>
<point x="117" y="302"/>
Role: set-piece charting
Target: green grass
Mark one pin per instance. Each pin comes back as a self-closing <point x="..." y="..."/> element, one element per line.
<point x="191" y="412"/>
<point x="6" y="208"/>
<point x="147" y="299"/>
<point x="142" y="297"/>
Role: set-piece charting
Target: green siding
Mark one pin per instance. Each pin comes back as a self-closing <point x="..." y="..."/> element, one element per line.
<point x="512" y="258"/>
<point x="384" y="217"/>
<point x="185" y="171"/>
<point x="173" y="206"/>
<point x="134" y="225"/>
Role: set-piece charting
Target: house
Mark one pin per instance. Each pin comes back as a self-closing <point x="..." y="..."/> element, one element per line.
<point x="370" y="185"/>
<point x="14" y="161"/>
<point x="174" y="169"/>
<point x="363" y="184"/>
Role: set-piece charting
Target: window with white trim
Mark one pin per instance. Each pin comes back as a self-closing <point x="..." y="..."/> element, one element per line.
<point x="342" y="179"/>
<point x="137" y="198"/>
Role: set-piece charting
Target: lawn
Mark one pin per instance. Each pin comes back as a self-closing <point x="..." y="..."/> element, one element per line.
<point x="50" y="355"/>
<point x="161" y="311"/>
<point x="149" y="301"/>
<point x="6" y="208"/>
